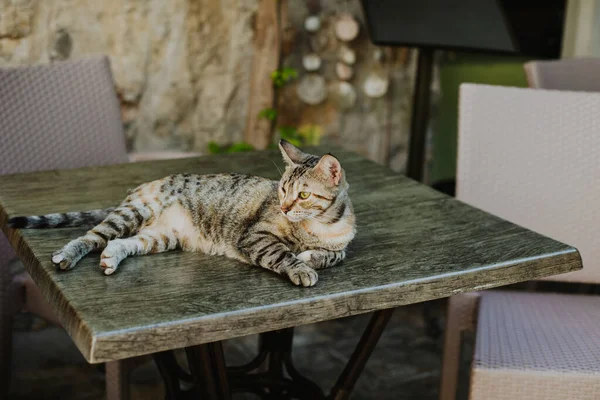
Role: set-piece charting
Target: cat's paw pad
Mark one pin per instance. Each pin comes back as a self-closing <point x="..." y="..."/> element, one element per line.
<point x="108" y="265"/>
<point x="303" y="275"/>
<point x="61" y="260"/>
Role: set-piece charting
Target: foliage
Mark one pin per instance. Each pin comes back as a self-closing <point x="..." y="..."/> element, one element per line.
<point x="310" y="134"/>
<point x="239" y="147"/>
<point x="290" y="134"/>
<point x="281" y="76"/>
<point x="268" y="113"/>
<point x="214" y="148"/>
<point x="306" y="135"/>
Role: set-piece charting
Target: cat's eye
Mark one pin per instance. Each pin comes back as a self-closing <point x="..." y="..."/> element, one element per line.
<point x="304" y="195"/>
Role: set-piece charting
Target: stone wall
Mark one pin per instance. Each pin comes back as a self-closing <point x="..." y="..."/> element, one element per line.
<point x="182" y="68"/>
<point x="179" y="65"/>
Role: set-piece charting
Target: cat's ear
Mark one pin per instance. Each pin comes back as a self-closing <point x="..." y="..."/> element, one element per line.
<point x="291" y="154"/>
<point x="330" y="167"/>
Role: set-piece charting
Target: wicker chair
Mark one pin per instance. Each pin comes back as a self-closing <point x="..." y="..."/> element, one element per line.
<point x="63" y="115"/>
<point x="531" y="157"/>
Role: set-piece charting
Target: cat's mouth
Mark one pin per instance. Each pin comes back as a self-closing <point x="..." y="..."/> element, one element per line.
<point x="294" y="217"/>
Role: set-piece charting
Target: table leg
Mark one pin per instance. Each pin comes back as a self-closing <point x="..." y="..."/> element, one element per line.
<point x="172" y="375"/>
<point x="347" y="379"/>
<point x="207" y="378"/>
<point x="220" y="369"/>
<point x="207" y="365"/>
<point x="271" y="375"/>
<point x="117" y="382"/>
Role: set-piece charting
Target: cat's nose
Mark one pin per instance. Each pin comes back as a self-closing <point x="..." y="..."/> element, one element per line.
<point x="285" y="209"/>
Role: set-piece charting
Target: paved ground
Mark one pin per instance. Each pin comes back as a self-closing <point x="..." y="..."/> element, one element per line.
<point x="405" y="365"/>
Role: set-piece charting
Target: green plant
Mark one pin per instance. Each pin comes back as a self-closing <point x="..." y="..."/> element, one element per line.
<point x="290" y="134"/>
<point x="310" y="134"/>
<point x="306" y="135"/>
<point x="268" y="113"/>
<point x="282" y="76"/>
<point x="214" y="148"/>
<point x="239" y="147"/>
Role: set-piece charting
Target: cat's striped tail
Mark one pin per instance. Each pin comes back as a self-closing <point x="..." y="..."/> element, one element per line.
<point x="64" y="220"/>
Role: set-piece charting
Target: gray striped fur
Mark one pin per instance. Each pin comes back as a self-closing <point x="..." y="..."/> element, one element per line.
<point x="248" y="218"/>
<point x="64" y="220"/>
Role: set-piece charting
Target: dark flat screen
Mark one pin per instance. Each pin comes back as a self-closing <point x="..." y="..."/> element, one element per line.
<point x="524" y="27"/>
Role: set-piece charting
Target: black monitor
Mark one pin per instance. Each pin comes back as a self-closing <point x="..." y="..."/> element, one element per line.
<point x="522" y="27"/>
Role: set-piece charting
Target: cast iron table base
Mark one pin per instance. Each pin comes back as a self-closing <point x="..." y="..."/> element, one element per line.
<point x="271" y="375"/>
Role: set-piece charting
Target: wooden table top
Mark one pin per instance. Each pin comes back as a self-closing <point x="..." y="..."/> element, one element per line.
<point x="413" y="244"/>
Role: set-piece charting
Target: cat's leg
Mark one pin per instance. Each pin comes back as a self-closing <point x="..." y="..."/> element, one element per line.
<point x="145" y="242"/>
<point x="267" y="251"/>
<point x="319" y="259"/>
<point x="122" y="222"/>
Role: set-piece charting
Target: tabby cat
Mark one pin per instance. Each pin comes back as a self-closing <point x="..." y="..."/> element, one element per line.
<point x="292" y="227"/>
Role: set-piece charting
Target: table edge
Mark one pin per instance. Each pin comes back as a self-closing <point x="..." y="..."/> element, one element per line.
<point x="212" y="328"/>
<point x="81" y="334"/>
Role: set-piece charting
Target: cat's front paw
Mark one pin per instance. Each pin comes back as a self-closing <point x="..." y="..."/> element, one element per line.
<point x="308" y="257"/>
<point x="303" y="275"/>
<point x="62" y="260"/>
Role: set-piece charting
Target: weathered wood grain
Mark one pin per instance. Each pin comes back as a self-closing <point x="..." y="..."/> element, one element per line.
<point x="413" y="244"/>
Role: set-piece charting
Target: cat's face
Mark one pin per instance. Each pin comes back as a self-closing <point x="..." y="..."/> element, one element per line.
<point x="309" y="184"/>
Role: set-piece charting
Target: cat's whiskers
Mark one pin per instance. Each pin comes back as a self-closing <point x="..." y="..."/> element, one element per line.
<point x="318" y="219"/>
<point x="276" y="166"/>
